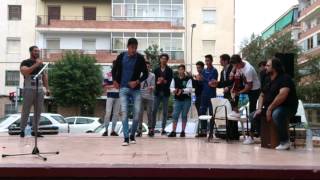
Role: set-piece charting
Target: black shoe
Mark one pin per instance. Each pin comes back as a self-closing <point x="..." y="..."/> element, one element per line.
<point x="172" y="134"/>
<point x="22" y="134"/>
<point x="132" y="139"/>
<point x="105" y="133"/>
<point x="201" y="135"/>
<point x="163" y="132"/>
<point x="139" y="134"/>
<point x="38" y="135"/>
<point x="113" y="133"/>
<point x="151" y="133"/>
<point x="182" y="134"/>
<point x="126" y="142"/>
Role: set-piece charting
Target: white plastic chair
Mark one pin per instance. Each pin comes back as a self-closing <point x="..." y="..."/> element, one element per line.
<point x="221" y="111"/>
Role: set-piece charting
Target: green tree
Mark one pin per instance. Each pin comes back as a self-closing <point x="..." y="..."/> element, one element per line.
<point x="152" y="54"/>
<point x="76" y="81"/>
<point x="252" y="50"/>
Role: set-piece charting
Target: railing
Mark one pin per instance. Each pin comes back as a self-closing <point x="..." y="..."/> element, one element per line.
<point x="312" y="113"/>
<point x="309" y="8"/>
<point x="174" y="22"/>
<point x="309" y="31"/>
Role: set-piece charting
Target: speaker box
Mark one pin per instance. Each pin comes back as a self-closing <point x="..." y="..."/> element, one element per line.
<point x="287" y="60"/>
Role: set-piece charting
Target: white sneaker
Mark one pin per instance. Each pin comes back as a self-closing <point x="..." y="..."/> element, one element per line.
<point x="282" y="147"/>
<point x="248" y="141"/>
<point x="133" y="142"/>
<point x="234" y="114"/>
<point x="125" y="143"/>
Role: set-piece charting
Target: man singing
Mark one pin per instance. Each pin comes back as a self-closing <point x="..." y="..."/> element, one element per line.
<point x="29" y="68"/>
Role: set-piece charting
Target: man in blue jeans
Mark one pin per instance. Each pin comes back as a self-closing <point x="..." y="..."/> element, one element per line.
<point x="129" y="71"/>
<point x="209" y="78"/>
<point x="278" y="101"/>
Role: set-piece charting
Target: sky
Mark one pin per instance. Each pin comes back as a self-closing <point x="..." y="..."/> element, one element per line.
<point x="254" y="16"/>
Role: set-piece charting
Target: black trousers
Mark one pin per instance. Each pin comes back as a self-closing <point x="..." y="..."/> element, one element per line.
<point x="232" y="126"/>
<point x="253" y="98"/>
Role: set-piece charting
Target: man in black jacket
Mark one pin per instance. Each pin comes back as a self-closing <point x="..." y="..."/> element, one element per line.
<point x="129" y="71"/>
<point x="163" y="78"/>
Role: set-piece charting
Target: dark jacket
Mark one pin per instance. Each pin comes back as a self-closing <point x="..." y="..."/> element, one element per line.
<point x="165" y="88"/>
<point x="226" y="82"/>
<point x="140" y="68"/>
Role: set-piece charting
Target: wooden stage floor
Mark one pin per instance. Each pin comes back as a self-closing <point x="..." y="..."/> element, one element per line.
<point x="95" y="156"/>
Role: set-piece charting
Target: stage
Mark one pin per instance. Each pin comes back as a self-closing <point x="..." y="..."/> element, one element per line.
<point x="92" y="156"/>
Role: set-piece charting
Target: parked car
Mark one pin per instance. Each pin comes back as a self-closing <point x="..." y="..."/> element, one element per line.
<point x="119" y="128"/>
<point x="80" y="124"/>
<point x="46" y="120"/>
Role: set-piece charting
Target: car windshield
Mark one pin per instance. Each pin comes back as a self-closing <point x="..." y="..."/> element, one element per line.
<point x="60" y="119"/>
<point x="2" y="119"/>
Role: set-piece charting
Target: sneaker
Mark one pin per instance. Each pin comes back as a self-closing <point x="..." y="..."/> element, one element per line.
<point x="234" y="114"/>
<point x="151" y="134"/>
<point x="163" y="132"/>
<point x="105" y="133"/>
<point x="172" y="134"/>
<point x="139" y="134"/>
<point x="182" y="134"/>
<point x="126" y="142"/>
<point x="285" y="146"/>
<point x="22" y="134"/>
<point x="113" y="133"/>
<point x="132" y="140"/>
<point x="248" y="141"/>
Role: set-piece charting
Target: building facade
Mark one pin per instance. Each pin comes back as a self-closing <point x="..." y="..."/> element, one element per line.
<point x="101" y="28"/>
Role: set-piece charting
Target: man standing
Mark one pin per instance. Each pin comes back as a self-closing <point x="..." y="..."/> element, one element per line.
<point x="226" y="84"/>
<point x="147" y="87"/>
<point x="181" y="87"/>
<point x="163" y="78"/>
<point x="29" y="68"/>
<point x="197" y="85"/>
<point x="112" y="105"/>
<point x="263" y="73"/>
<point x="278" y="101"/>
<point x="208" y="78"/>
<point x="251" y="80"/>
<point x="128" y="72"/>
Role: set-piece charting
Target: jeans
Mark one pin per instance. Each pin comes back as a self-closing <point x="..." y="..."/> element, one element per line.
<point x="280" y="117"/>
<point x="145" y="104"/>
<point x="112" y="108"/>
<point x="157" y="101"/>
<point x="204" y="106"/>
<point x="125" y="94"/>
<point x="181" y="107"/>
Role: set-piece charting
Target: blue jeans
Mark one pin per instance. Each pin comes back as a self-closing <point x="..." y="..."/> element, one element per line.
<point x="181" y="107"/>
<point x="157" y="101"/>
<point x="125" y="94"/>
<point x="205" y="104"/>
<point x="281" y="116"/>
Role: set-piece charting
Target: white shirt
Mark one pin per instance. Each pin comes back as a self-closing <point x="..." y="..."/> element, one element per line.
<point x="250" y="75"/>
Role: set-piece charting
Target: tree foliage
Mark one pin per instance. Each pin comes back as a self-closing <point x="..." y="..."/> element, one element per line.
<point x="76" y="81"/>
<point x="152" y="54"/>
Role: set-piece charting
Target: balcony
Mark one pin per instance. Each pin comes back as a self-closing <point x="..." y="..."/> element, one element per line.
<point x="309" y="32"/>
<point x="309" y="10"/>
<point x="108" y="22"/>
<point x="102" y="56"/>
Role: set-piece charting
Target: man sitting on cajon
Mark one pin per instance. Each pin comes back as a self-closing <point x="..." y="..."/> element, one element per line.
<point x="278" y="102"/>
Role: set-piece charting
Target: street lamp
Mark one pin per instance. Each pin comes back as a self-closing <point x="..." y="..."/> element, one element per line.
<point x="192" y="28"/>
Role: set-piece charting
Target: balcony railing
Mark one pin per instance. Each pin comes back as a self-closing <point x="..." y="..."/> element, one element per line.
<point x="44" y="20"/>
<point x="309" y="8"/>
<point x="102" y="56"/>
<point x="309" y="31"/>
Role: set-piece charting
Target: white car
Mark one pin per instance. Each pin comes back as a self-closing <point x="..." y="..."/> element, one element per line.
<point x="79" y="124"/>
<point x="46" y="119"/>
<point x="119" y="128"/>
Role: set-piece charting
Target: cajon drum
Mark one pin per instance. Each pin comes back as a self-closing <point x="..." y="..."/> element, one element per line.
<point x="269" y="135"/>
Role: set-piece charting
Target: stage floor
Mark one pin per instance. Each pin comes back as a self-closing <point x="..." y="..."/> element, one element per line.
<point x="93" y="151"/>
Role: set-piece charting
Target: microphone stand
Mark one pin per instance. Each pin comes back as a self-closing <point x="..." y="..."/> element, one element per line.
<point x="35" y="150"/>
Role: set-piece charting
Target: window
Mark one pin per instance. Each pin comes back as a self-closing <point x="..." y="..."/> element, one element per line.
<point x="209" y="16"/>
<point x="310" y="43"/>
<point x="89" y="44"/>
<point x="59" y="119"/>
<point x="82" y="121"/>
<point x="14" y="12"/>
<point x="12" y="78"/>
<point x="208" y="47"/>
<point x="71" y="120"/>
<point x="89" y="13"/>
<point x="318" y="39"/>
<point x="53" y="44"/>
<point x="44" y="121"/>
<point x="13" y="45"/>
<point x="9" y="109"/>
